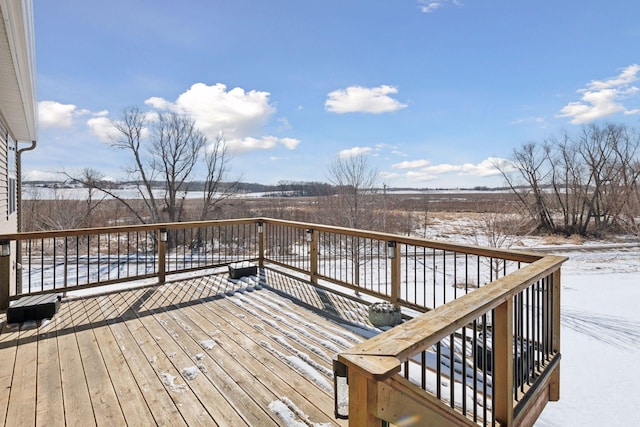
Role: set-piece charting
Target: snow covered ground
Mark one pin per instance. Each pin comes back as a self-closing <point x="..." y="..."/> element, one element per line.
<point x="600" y="330"/>
<point x="600" y="340"/>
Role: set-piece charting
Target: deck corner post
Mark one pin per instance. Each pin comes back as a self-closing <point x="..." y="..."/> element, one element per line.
<point x="503" y="363"/>
<point x="362" y="400"/>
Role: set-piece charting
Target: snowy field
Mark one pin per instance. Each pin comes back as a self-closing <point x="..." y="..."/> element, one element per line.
<point x="600" y="339"/>
<point x="600" y="330"/>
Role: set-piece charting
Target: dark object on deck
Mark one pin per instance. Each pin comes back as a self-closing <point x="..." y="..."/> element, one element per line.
<point x="524" y="362"/>
<point x="241" y="269"/>
<point x="33" y="307"/>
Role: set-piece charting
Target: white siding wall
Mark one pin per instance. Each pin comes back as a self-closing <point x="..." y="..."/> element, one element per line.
<point x="8" y="222"/>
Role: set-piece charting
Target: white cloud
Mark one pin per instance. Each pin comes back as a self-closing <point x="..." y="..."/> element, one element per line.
<point x="101" y="126"/>
<point x="626" y="77"/>
<point x="236" y="112"/>
<point x="159" y="103"/>
<point x="538" y="121"/>
<point x="39" y="175"/>
<point x="399" y="153"/>
<point x="429" y="6"/>
<point x="389" y="175"/>
<point x="352" y="152"/>
<point x="363" y="100"/>
<point x="284" y="124"/>
<point x="52" y="114"/>
<point x="420" y="176"/>
<point x="602" y="98"/>
<point x="425" y="171"/>
<point x="290" y="143"/>
<point x="412" y="164"/>
<point x="263" y="143"/>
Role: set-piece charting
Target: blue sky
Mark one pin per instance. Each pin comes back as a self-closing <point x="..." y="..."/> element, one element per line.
<point x="433" y="91"/>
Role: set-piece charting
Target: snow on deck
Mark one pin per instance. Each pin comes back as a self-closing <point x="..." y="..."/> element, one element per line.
<point x="204" y="350"/>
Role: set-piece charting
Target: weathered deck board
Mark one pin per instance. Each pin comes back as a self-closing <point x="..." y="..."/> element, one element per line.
<point x="161" y="405"/>
<point x="22" y="406"/>
<point x="50" y="409"/>
<point x="119" y="358"/>
<point x="8" y="347"/>
<point x="132" y="401"/>
<point x="206" y="402"/>
<point x="234" y="337"/>
<point x="189" y="337"/>
<point x="77" y="402"/>
<point x="106" y="407"/>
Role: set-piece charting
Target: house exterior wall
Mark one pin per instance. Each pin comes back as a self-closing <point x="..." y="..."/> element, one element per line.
<point x="18" y="116"/>
<point x="8" y="183"/>
<point x="18" y="104"/>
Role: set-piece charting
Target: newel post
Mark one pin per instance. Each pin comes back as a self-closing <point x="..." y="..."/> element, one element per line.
<point x="162" y="254"/>
<point x="503" y="363"/>
<point x="5" y="273"/>
<point x="363" y="400"/>
<point x="312" y="238"/>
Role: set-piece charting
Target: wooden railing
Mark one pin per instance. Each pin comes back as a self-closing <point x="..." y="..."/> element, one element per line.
<point x="485" y="351"/>
<point x="482" y="347"/>
<point x="58" y="261"/>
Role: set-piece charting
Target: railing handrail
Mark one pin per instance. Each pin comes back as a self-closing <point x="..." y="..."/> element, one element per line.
<point x="507" y="254"/>
<point x="402" y="342"/>
<point x="122" y="229"/>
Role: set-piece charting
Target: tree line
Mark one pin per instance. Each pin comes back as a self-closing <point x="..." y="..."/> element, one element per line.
<point x="584" y="184"/>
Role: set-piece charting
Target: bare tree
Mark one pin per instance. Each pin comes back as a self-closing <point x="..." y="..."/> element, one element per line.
<point x="166" y="150"/>
<point x="353" y="205"/>
<point x="497" y="229"/>
<point x="175" y="149"/>
<point x="129" y="136"/>
<point x="355" y="181"/>
<point x="580" y="185"/>
<point x="532" y="164"/>
<point x="216" y="190"/>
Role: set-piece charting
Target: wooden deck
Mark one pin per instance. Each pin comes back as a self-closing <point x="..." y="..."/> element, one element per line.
<point x="190" y="352"/>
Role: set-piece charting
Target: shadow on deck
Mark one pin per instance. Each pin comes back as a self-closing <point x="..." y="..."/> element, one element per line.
<point x="199" y="350"/>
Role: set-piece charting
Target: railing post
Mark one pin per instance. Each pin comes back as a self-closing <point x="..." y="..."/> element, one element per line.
<point x="554" y="385"/>
<point x="395" y="271"/>
<point x="162" y="255"/>
<point x="5" y="273"/>
<point x="313" y="254"/>
<point x="503" y="363"/>
<point x="261" y="243"/>
<point x="362" y="400"/>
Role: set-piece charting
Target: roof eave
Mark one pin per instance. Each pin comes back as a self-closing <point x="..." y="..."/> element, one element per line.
<point x="18" y="105"/>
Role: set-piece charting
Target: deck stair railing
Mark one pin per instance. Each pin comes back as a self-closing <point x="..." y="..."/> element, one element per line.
<point x="482" y="346"/>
